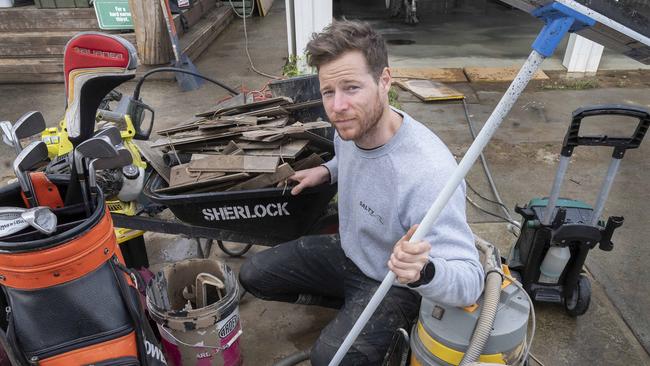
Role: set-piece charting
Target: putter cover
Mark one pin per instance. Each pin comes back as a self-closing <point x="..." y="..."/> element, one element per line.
<point x="94" y="64"/>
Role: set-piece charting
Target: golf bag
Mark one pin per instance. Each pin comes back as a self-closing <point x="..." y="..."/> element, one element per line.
<point x="68" y="298"/>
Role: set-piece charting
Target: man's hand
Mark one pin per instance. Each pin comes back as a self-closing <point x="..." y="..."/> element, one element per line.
<point x="408" y="259"/>
<point x="309" y="178"/>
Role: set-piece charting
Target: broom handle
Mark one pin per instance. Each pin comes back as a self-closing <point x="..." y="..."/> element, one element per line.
<point x="171" y="28"/>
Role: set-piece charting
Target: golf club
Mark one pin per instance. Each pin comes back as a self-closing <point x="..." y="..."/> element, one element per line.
<point x="29" y="124"/>
<point x="6" y="133"/>
<point x="41" y="218"/>
<point x="29" y="158"/>
<point x="96" y="147"/>
<point x="123" y="158"/>
<point x="15" y="219"/>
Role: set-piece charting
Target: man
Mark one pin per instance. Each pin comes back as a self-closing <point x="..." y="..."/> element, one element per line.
<point x="389" y="169"/>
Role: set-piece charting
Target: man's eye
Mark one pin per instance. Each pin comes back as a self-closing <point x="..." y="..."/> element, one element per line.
<point x="326" y="93"/>
<point x="352" y="87"/>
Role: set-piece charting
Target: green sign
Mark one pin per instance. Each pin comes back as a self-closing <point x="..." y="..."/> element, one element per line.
<point x="113" y="14"/>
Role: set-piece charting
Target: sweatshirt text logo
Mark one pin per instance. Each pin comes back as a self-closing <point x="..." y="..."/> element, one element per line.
<point x="245" y="212"/>
<point x="371" y="212"/>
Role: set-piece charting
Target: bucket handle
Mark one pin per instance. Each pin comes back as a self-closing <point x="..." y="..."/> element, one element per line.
<point x="218" y="349"/>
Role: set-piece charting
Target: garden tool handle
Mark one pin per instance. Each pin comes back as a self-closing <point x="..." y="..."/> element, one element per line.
<point x="619" y="143"/>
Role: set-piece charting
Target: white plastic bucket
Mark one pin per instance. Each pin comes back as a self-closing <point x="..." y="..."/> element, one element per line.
<point x="205" y="336"/>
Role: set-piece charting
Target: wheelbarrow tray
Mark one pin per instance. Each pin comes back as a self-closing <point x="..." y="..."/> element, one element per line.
<point x="268" y="212"/>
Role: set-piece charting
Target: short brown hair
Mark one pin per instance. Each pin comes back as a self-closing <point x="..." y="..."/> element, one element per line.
<point x="343" y="36"/>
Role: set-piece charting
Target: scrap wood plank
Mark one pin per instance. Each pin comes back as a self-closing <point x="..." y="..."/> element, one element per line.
<point x="238" y="119"/>
<point x="180" y="175"/>
<point x="236" y="163"/>
<point x="316" y="140"/>
<point x="182" y="127"/>
<point x="203" y="183"/>
<point x="154" y="158"/>
<point x="277" y="110"/>
<point x="245" y="107"/>
<point x="232" y="149"/>
<point x="283" y="172"/>
<point x="303" y="105"/>
<point x="498" y="74"/>
<point x="258" y="145"/>
<point x="286" y="151"/>
<point x="190" y="140"/>
<point x="311" y="161"/>
<point x="447" y="75"/>
<point x="277" y="122"/>
<point x="428" y="90"/>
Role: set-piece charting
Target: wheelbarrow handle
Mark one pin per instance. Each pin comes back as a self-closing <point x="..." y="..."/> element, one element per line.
<point x="619" y="143"/>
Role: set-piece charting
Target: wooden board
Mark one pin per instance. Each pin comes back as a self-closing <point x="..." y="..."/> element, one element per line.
<point x="180" y="176"/>
<point x="286" y="151"/>
<point x="236" y="163"/>
<point x="203" y="33"/>
<point x="191" y="140"/>
<point x="263" y="6"/>
<point x="428" y="90"/>
<point x="498" y="74"/>
<point x="203" y="183"/>
<point x="258" y="145"/>
<point x="447" y="75"/>
<point x="154" y="158"/>
<point x="311" y="161"/>
<point x="283" y="172"/>
<point x="238" y="109"/>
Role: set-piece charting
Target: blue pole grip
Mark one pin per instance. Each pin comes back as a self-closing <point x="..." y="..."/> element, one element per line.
<point x="559" y="20"/>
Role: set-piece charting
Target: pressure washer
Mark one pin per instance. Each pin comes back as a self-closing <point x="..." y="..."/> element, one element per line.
<point x="558" y="233"/>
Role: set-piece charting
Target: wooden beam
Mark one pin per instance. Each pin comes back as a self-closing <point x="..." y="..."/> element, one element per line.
<point x="154" y="46"/>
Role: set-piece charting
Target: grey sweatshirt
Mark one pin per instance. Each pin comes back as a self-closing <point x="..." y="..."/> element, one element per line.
<point x="385" y="191"/>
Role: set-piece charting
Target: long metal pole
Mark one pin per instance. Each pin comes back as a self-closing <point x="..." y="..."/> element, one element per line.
<point x="604" y="190"/>
<point x="505" y="104"/>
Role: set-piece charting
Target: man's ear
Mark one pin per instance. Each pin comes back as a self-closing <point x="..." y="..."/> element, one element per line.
<point x="385" y="79"/>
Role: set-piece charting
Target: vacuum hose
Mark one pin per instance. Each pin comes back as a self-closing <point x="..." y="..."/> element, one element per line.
<point x="490" y="302"/>
<point x="294" y="358"/>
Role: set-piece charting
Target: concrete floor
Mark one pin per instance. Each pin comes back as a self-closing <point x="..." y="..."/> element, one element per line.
<point x="522" y="155"/>
<point x="462" y="33"/>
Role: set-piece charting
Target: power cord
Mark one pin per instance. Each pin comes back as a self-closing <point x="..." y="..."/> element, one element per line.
<point x="243" y="17"/>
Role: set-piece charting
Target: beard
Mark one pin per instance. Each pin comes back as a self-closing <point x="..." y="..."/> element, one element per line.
<point x="366" y="120"/>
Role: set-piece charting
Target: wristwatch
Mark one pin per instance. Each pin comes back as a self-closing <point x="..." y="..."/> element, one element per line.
<point x="426" y="275"/>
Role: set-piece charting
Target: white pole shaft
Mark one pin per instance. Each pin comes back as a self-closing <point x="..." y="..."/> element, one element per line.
<point x="505" y="104"/>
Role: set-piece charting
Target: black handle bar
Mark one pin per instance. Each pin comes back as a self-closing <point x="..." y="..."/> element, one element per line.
<point x="620" y="144"/>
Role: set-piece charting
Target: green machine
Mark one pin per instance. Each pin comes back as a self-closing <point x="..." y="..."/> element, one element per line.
<point x="557" y="233"/>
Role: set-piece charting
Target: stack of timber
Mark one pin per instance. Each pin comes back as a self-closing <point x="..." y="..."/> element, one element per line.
<point x="241" y="147"/>
<point x="32" y="40"/>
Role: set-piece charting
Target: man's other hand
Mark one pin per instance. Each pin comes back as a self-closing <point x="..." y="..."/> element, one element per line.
<point x="408" y="259"/>
<point x="309" y="178"/>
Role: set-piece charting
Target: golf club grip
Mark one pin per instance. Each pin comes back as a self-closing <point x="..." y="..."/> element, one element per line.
<point x="620" y="143"/>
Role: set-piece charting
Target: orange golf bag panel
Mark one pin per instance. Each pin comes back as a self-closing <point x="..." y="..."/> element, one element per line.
<point x="68" y="298"/>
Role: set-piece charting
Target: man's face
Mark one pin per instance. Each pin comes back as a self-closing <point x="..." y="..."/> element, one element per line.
<point x="354" y="100"/>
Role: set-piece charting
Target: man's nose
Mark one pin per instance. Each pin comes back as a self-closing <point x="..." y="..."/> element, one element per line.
<point x="340" y="102"/>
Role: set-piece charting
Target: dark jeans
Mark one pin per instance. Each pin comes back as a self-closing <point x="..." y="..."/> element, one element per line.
<point x="314" y="270"/>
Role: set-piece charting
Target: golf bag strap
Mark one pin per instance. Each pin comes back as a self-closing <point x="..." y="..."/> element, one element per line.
<point x="46" y="192"/>
<point x="131" y="298"/>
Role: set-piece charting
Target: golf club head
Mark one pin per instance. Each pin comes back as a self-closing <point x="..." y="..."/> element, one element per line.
<point x="30" y="157"/>
<point x="96" y="147"/>
<point x="29" y="124"/>
<point x="113" y="134"/>
<point x="41" y="218"/>
<point x="94" y="64"/>
<point x="11" y="220"/>
<point x="123" y="158"/>
<point x="5" y="126"/>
